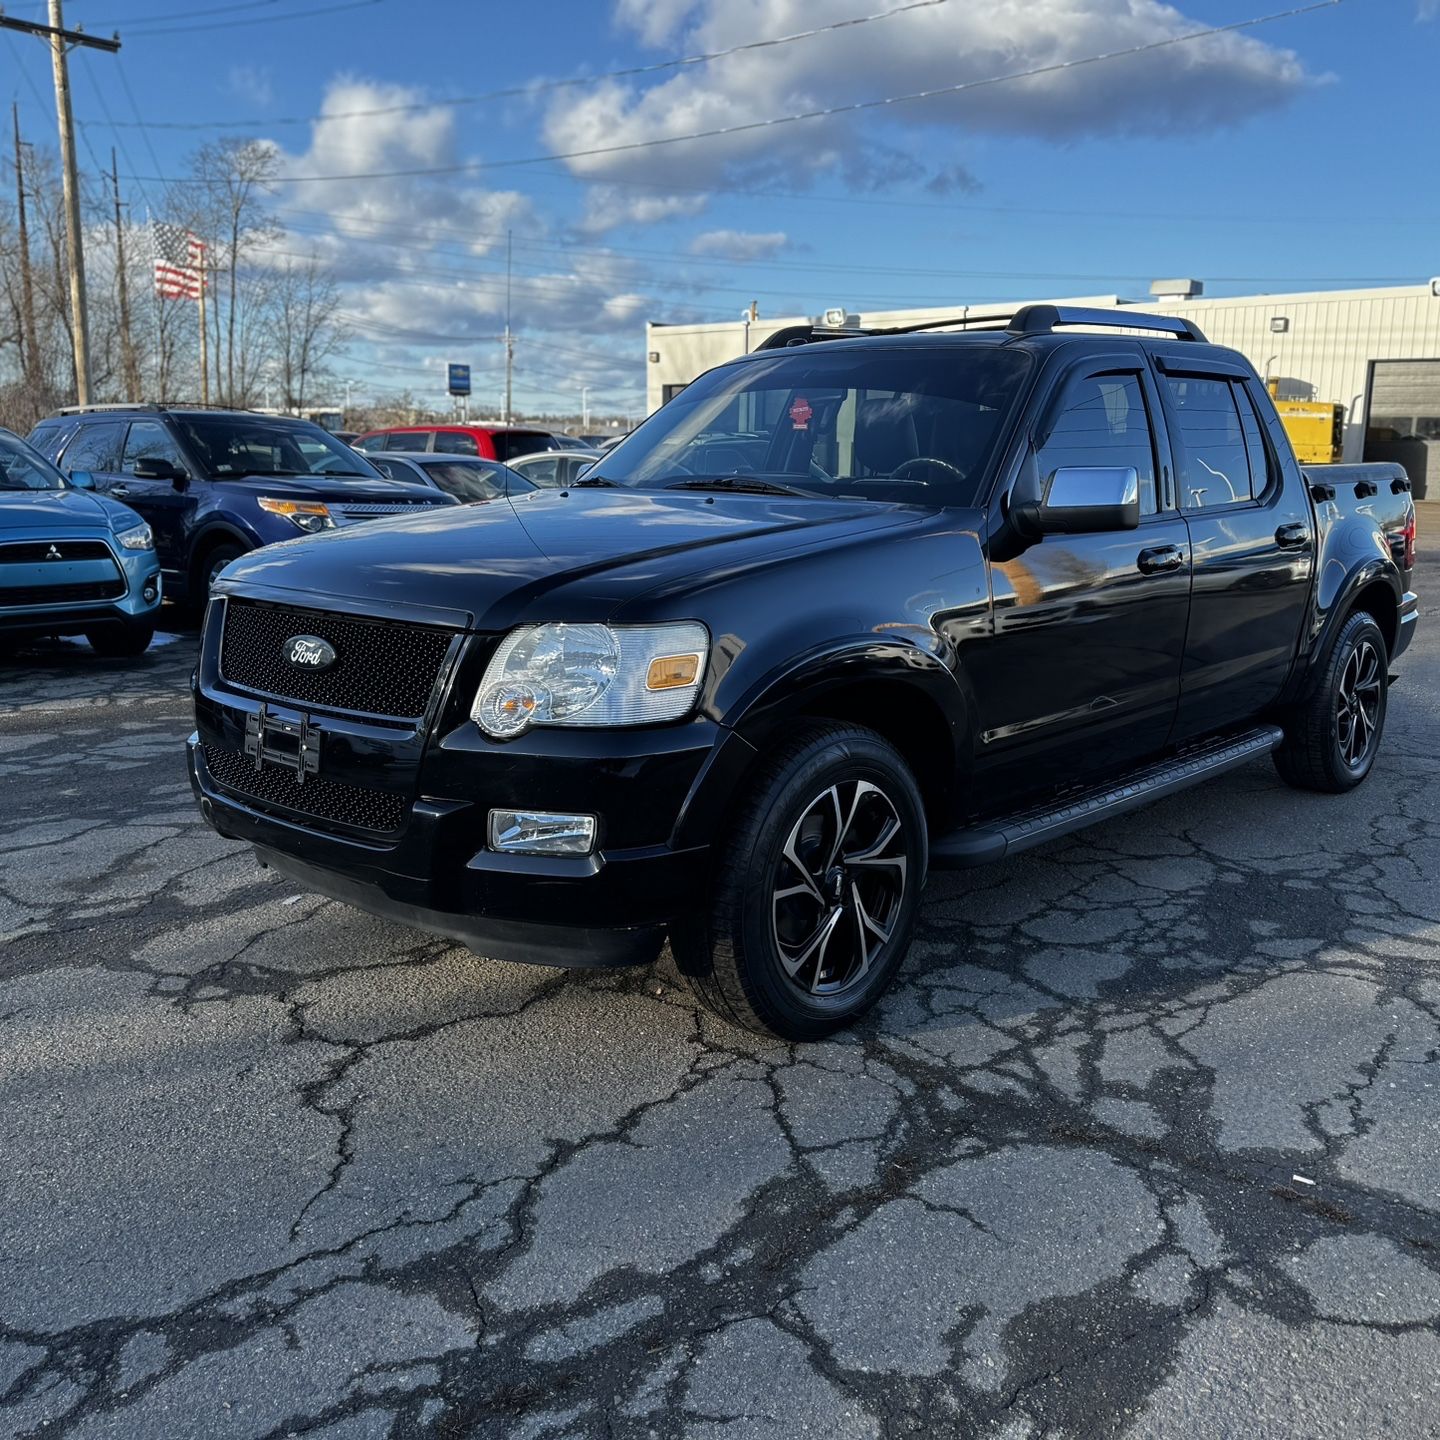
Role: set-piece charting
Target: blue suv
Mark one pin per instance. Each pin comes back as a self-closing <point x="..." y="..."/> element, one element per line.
<point x="71" y="563"/>
<point x="214" y="484"/>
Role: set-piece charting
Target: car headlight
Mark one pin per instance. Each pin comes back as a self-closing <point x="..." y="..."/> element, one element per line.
<point x="591" y="675"/>
<point x="310" y="515"/>
<point x="137" y="538"/>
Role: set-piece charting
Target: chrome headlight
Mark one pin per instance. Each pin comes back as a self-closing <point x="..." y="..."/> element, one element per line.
<point x="591" y="675"/>
<point x="137" y="538"/>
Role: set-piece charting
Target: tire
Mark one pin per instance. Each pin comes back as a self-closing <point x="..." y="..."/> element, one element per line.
<point x="1333" y="735"/>
<point x="783" y="946"/>
<point x="122" y="642"/>
<point x="210" y="566"/>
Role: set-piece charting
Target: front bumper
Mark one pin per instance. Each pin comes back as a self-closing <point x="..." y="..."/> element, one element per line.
<point x="58" y="617"/>
<point x="611" y="908"/>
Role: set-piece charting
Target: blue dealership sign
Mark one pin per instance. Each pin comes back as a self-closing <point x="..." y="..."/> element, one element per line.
<point x="459" y="376"/>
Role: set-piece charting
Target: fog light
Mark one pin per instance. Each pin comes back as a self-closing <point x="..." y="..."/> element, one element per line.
<point x="541" y="832"/>
<point x="150" y="591"/>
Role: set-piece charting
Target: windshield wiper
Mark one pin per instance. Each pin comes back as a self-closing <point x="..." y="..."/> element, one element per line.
<point x="593" y="480"/>
<point x="740" y="484"/>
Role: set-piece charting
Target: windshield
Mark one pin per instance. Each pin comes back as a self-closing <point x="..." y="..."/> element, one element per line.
<point x="469" y="480"/>
<point x="888" y="423"/>
<point x="256" y="445"/>
<point x="22" y="469"/>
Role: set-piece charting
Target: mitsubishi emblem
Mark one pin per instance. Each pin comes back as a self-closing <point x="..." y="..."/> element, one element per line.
<point x="53" y="554"/>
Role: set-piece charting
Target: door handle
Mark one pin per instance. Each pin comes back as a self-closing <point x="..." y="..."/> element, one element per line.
<point x="119" y="489"/>
<point x="1294" y="536"/>
<point x="1160" y="559"/>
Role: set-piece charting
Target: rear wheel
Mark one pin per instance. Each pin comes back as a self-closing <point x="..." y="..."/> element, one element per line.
<point x="121" y="642"/>
<point x="816" y="888"/>
<point x="1332" y="737"/>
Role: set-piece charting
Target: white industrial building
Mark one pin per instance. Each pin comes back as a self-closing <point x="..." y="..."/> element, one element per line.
<point x="1376" y="352"/>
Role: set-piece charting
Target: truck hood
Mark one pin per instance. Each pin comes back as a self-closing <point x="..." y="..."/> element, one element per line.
<point x="506" y="560"/>
<point x="61" y="510"/>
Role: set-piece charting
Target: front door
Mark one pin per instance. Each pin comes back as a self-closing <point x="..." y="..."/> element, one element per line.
<point x="1082" y="672"/>
<point x="167" y="507"/>
<point x="1252" y="547"/>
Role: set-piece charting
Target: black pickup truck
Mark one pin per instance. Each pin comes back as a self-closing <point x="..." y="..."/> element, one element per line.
<point x="846" y="610"/>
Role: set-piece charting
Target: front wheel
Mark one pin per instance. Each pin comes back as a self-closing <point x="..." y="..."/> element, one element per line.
<point x="122" y="642"/>
<point x="816" y="887"/>
<point x="1333" y="736"/>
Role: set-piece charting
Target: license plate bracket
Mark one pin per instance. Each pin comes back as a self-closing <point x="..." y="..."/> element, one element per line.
<point x="293" y="745"/>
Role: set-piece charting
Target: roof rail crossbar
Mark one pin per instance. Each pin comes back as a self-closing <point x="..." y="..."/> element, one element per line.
<point x="109" y="405"/>
<point x="1042" y="319"/>
<point x="805" y="334"/>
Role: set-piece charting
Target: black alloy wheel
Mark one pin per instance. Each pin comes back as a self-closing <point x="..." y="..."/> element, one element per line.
<point x="1357" y="705"/>
<point x="815" y="888"/>
<point x="1332" y="736"/>
<point x="838" y="887"/>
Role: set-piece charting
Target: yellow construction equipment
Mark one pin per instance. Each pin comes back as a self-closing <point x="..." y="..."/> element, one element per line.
<point x="1316" y="427"/>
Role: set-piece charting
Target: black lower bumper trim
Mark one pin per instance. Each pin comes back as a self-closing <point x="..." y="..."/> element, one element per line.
<point x="519" y="940"/>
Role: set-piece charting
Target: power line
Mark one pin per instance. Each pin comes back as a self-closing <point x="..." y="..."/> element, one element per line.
<point x="142" y="33"/>
<point x="826" y="112"/>
<point x="542" y="86"/>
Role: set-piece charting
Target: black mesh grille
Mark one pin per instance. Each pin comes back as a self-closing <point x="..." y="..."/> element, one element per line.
<point x="28" y="552"/>
<point x="319" y="798"/>
<point x="61" y="594"/>
<point x="382" y="667"/>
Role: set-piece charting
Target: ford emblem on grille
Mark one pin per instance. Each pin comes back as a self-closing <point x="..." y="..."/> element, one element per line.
<point x="309" y="652"/>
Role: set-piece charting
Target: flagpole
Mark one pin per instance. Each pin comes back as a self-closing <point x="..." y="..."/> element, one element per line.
<point x="204" y="340"/>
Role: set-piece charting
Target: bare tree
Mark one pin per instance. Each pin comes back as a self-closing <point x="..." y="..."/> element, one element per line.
<point x="307" y="329"/>
<point x="230" y="214"/>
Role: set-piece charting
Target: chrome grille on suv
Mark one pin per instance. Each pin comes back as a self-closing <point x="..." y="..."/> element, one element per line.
<point x="318" y="797"/>
<point x="381" y="667"/>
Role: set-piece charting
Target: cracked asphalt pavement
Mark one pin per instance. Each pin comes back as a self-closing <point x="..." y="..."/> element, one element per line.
<point x="1145" y="1142"/>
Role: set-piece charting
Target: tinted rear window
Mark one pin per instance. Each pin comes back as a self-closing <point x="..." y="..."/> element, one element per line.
<point x="510" y="443"/>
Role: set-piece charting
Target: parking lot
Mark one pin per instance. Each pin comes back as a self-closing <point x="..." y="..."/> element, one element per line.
<point x="1146" y="1142"/>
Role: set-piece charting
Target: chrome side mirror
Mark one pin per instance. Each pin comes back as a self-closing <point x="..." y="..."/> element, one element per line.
<point x="1079" y="499"/>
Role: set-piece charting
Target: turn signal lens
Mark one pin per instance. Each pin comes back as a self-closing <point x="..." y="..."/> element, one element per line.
<point x="672" y="672"/>
<point x="309" y="515"/>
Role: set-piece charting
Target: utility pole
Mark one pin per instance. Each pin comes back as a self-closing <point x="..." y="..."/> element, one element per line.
<point x="509" y="338"/>
<point x="30" y="362"/>
<point x="60" y="39"/>
<point x="584" y="407"/>
<point x="128" y="365"/>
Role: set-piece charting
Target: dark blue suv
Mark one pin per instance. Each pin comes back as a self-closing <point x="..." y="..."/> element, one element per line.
<point x="214" y="484"/>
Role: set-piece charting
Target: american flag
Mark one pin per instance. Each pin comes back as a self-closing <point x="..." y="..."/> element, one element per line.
<point x="179" y="262"/>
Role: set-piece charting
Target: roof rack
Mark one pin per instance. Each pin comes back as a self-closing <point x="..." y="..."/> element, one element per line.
<point x="1042" y="319"/>
<point x="157" y="406"/>
<point x="1028" y="320"/>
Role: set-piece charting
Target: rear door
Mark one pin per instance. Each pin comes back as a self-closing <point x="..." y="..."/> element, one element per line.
<point x="1082" y="673"/>
<point x="1251" y="539"/>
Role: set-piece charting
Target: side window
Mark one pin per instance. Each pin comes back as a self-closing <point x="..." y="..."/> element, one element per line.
<point x="1254" y="443"/>
<point x="96" y="447"/>
<point x="408" y="440"/>
<point x="1103" y="421"/>
<point x="148" y="440"/>
<point x="542" y="472"/>
<point x="454" y="442"/>
<point x="49" y="435"/>
<point x="1214" y="462"/>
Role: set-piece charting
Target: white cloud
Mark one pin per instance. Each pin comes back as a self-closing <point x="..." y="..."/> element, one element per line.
<point x="609" y="206"/>
<point x="1427" y="9"/>
<point x="424" y="256"/>
<point x="252" y="83"/>
<point x="738" y="244"/>
<point x="1196" y="85"/>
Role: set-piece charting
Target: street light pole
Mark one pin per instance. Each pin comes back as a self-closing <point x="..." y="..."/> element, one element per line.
<point x="584" y="407"/>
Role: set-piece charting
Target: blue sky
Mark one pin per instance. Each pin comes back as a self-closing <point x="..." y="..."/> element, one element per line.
<point x="1300" y="155"/>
